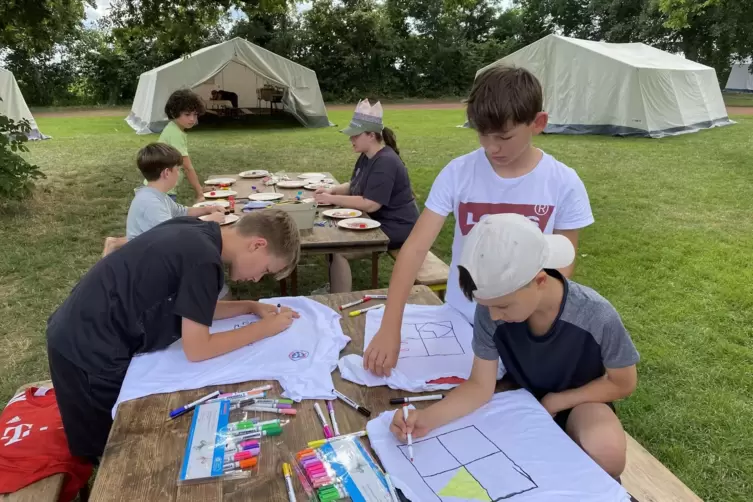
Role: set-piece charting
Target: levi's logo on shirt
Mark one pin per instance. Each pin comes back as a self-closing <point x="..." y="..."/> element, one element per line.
<point x="470" y="213"/>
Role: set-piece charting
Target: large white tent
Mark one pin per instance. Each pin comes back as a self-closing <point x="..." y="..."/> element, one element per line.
<point x="740" y="79"/>
<point x="237" y="66"/>
<point x="620" y="89"/>
<point x="13" y="104"/>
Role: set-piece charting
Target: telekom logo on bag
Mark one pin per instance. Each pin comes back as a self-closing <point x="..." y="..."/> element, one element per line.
<point x="470" y="213"/>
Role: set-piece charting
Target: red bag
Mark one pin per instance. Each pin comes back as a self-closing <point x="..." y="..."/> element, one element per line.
<point x="33" y="445"/>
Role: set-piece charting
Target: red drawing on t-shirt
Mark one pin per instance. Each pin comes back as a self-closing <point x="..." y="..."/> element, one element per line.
<point x="469" y="213"/>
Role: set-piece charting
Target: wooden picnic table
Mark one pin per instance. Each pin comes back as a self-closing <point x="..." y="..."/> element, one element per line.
<point x="326" y="240"/>
<point x="144" y="451"/>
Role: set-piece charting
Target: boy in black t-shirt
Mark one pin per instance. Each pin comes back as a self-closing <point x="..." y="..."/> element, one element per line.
<point x="561" y="341"/>
<point x="159" y="287"/>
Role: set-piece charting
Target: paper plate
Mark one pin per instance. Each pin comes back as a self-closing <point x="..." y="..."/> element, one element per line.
<point x="265" y="196"/>
<point x="221" y="203"/>
<point x="229" y="218"/>
<point x="254" y="174"/>
<point x="342" y="213"/>
<point x="217" y="194"/>
<point x="292" y="184"/>
<point x="220" y="181"/>
<point x="316" y="186"/>
<point x="307" y="176"/>
<point x="359" y="224"/>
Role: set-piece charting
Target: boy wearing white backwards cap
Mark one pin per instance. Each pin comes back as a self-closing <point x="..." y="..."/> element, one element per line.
<point x="559" y="340"/>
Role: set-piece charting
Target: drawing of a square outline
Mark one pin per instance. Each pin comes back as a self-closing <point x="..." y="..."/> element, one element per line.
<point x="419" y="327"/>
<point x="404" y="448"/>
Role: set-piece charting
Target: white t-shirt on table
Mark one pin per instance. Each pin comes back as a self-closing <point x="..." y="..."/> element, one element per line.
<point x="552" y="195"/>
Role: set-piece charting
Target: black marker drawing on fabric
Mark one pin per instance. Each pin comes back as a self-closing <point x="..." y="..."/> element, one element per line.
<point x="429" y="339"/>
<point x="466" y="464"/>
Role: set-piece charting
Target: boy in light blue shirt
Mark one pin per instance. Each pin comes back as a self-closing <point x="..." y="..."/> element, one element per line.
<point x="160" y="164"/>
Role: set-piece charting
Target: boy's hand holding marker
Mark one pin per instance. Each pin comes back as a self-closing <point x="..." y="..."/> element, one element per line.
<point x="265" y="310"/>
<point x="413" y="425"/>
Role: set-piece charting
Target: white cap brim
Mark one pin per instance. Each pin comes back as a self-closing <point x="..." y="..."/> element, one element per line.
<point x="561" y="252"/>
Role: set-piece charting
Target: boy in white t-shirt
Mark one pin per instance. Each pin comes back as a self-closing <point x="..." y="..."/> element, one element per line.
<point x="506" y="175"/>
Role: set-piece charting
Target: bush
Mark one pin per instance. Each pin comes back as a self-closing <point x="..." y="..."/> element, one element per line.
<point x="17" y="176"/>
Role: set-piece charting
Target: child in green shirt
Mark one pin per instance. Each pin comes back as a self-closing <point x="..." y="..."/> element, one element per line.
<point x="183" y="108"/>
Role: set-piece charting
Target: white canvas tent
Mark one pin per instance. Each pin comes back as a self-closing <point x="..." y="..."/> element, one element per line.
<point x="13" y="104"/>
<point x="237" y="66"/>
<point x="621" y="89"/>
<point x="740" y="79"/>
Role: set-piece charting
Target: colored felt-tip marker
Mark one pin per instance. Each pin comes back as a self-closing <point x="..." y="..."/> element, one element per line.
<point x="325" y="426"/>
<point x="243" y="464"/>
<point x="319" y="442"/>
<point x="410" y="436"/>
<point x="331" y="410"/>
<point x="356" y="313"/>
<point x="185" y="409"/>
<point x="363" y="411"/>
<point x="269" y="409"/>
<point x="288" y="482"/>
<point x="353" y="303"/>
<point x="278" y="308"/>
<point x="375" y="297"/>
<point x="404" y="400"/>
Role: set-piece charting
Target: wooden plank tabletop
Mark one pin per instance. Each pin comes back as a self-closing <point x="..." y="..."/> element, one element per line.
<point x="319" y="240"/>
<point x="145" y="450"/>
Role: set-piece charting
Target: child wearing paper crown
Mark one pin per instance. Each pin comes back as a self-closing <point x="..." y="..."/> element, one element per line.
<point x="379" y="186"/>
<point x="561" y="341"/>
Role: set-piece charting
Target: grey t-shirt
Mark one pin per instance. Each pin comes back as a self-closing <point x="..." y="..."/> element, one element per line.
<point x="149" y="208"/>
<point x="384" y="179"/>
<point x="586" y="338"/>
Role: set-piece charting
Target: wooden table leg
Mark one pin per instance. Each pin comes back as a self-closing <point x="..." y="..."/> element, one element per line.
<point x="375" y="270"/>
<point x="294" y="282"/>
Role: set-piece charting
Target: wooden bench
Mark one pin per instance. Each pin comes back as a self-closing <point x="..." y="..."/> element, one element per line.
<point x="44" y="490"/>
<point x="433" y="273"/>
<point x="647" y="480"/>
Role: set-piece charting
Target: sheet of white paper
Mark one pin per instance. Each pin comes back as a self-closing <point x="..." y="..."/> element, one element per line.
<point x="436" y="343"/>
<point x="301" y="358"/>
<point x="510" y="449"/>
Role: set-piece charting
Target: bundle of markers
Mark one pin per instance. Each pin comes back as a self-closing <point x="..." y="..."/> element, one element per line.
<point x="320" y="475"/>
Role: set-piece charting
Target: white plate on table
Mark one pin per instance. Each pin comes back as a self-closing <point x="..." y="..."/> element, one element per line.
<point x="292" y="184"/>
<point x="265" y="196"/>
<point x="342" y="213"/>
<point x="229" y="218"/>
<point x="316" y="186"/>
<point x="221" y="203"/>
<point x="359" y="224"/>
<point x="254" y="174"/>
<point x="219" y="194"/>
<point x="309" y="176"/>
<point x="220" y="181"/>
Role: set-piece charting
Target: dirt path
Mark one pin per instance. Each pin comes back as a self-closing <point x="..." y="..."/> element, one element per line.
<point x="740" y="110"/>
<point x="431" y="105"/>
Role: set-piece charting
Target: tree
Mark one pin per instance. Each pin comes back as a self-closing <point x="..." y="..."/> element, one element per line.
<point x="17" y="176"/>
<point x="37" y="25"/>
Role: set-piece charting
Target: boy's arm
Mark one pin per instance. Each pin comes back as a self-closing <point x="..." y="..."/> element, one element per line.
<point x="201" y="211"/>
<point x="341" y="189"/>
<point x="199" y="345"/>
<point x="225" y="309"/>
<point x="464" y="399"/>
<point x="617" y="383"/>
<point x="193" y="178"/>
<point x="381" y="355"/>
<point x="572" y="235"/>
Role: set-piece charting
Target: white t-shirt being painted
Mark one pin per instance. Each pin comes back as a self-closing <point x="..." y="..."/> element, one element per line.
<point x="552" y="195"/>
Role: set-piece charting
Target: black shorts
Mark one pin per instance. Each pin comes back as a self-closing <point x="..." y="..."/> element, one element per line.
<point x="85" y="402"/>
<point x="561" y="417"/>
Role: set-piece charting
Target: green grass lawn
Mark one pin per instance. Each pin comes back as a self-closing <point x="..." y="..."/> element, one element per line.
<point x="673" y="230"/>
<point x="738" y="99"/>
